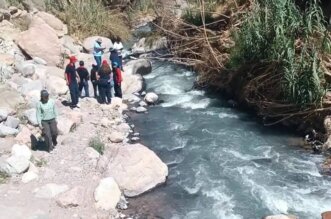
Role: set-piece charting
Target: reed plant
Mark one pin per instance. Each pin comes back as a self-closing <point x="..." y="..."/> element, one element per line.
<point x="278" y="31"/>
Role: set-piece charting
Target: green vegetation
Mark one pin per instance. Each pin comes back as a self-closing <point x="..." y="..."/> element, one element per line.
<point x="3" y="177"/>
<point x="90" y="17"/>
<point x="277" y="33"/>
<point x="97" y="145"/>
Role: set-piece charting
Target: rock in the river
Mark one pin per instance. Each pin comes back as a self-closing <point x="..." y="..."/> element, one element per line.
<point x="141" y="109"/>
<point x="40" y="40"/>
<point x="7" y="131"/>
<point x="142" y="103"/>
<point x="18" y="164"/>
<point x="50" y="190"/>
<point x="12" y="122"/>
<point x="107" y="194"/>
<point x="31" y="116"/>
<point x="126" y="167"/>
<point x="143" y="47"/>
<point x="71" y="198"/>
<point x="21" y="150"/>
<point x="89" y="42"/>
<point x="151" y="98"/>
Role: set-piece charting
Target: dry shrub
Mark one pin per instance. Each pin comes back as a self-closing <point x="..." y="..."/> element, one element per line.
<point x="90" y="17"/>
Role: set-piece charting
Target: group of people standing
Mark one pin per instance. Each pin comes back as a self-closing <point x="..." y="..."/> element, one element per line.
<point x="104" y="76"/>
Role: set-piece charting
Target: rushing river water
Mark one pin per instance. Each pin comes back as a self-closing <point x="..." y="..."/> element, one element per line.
<point x="222" y="163"/>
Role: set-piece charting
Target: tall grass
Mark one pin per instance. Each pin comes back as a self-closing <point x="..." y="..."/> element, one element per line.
<point x="90" y="17"/>
<point x="277" y="31"/>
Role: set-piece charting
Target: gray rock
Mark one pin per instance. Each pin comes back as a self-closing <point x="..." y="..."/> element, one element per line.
<point x="116" y="137"/>
<point x="107" y="194"/>
<point x="12" y="10"/>
<point x="123" y="203"/>
<point x="21" y="151"/>
<point x="142" y="103"/>
<point x="31" y="116"/>
<point x="141" y="109"/>
<point x="18" y="164"/>
<point x="50" y="190"/>
<point x="135" y="139"/>
<point x="29" y="176"/>
<point x="143" y="47"/>
<point x="39" y="61"/>
<point x="136" y="134"/>
<point x="143" y="93"/>
<point x="32" y="86"/>
<point x="7" y="131"/>
<point x="28" y="69"/>
<point x="151" y="98"/>
<point x="5" y="14"/>
<point x="4" y="112"/>
<point x="12" y="122"/>
<point x="71" y="198"/>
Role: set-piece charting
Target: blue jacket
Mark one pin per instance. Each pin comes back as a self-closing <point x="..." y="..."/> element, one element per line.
<point x="114" y="57"/>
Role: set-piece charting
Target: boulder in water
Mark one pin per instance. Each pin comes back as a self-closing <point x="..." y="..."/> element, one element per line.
<point x="281" y="216"/>
<point x="151" y="98"/>
<point x="126" y="167"/>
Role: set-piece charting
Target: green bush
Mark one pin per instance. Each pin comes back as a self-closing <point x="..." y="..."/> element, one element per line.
<point x="277" y="31"/>
<point x="97" y="145"/>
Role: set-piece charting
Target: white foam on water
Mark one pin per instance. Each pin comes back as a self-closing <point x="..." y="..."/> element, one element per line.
<point x="224" y="205"/>
<point x="227" y="115"/>
<point x="196" y="104"/>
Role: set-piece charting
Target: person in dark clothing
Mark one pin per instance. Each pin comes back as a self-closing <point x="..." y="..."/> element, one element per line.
<point x="104" y="83"/>
<point x="94" y="71"/>
<point x="84" y="78"/>
<point x="117" y="74"/>
<point x="72" y="80"/>
<point x="114" y="57"/>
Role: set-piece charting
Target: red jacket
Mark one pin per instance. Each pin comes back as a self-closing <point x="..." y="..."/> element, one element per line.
<point x="119" y="78"/>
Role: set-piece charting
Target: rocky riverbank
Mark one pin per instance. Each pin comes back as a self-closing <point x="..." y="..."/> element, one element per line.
<point x="93" y="168"/>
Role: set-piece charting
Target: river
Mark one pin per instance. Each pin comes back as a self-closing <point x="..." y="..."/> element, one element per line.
<point x="223" y="164"/>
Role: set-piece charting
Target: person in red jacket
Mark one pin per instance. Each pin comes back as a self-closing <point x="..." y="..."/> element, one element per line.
<point x="117" y="74"/>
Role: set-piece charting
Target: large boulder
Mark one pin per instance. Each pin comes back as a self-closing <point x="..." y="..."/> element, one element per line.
<point x="144" y="45"/>
<point x="65" y="125"/>
<point x="31" y="116"/>
<point x="40" y="40"/>
<point x="7" y="131"/>
<point x="31" y="86"/>
<point x="151" y="98"/>
<point x="21" y="150"/>
<point x="17" y="164"/>
<point x="69" y="43"/>
<point x="71" y="198"/>
<point x="139" y="66"/>
<point x="12" y="122"/>
<point x="53" y="22"/>
<point x="56" y="85"/>
<point x="126" y="167"/>
<point x="89" y="42"/>
<point x="4" y="112"/>
<point x="24" y="136"/>
<point x="107" y="194"/>
<point x="9" y="98"/>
